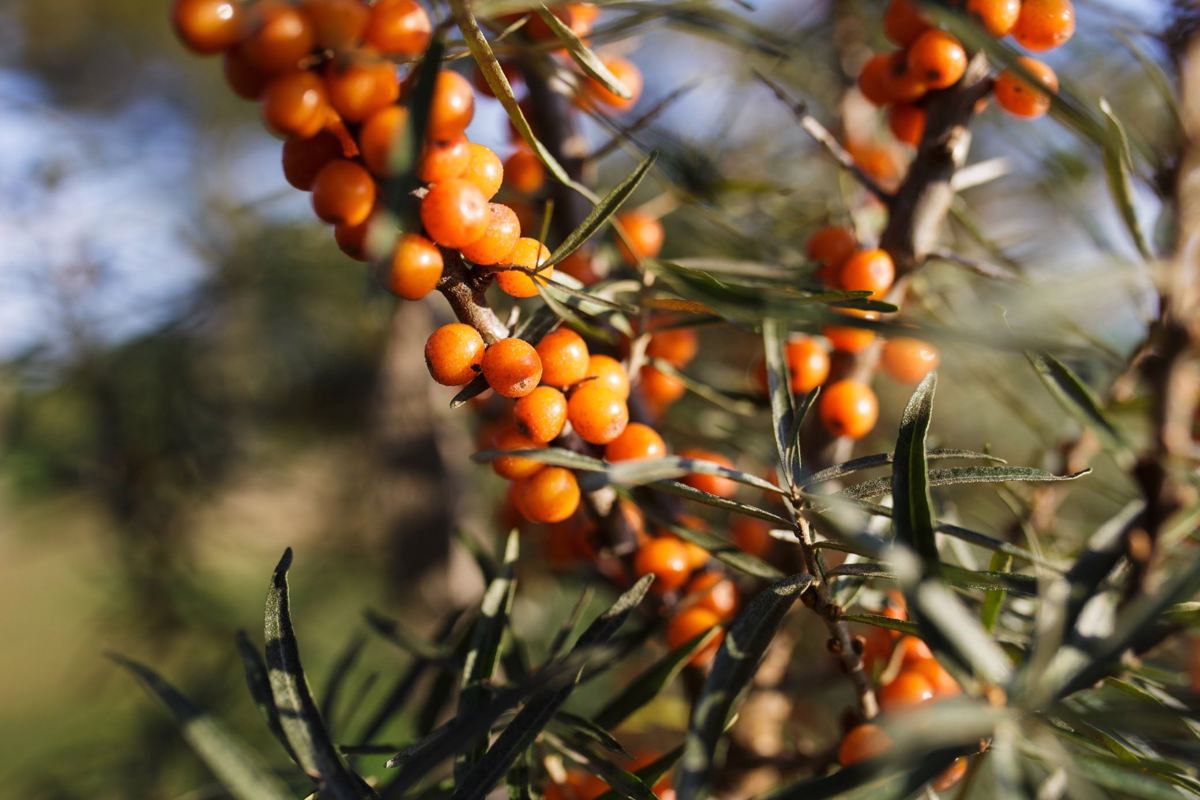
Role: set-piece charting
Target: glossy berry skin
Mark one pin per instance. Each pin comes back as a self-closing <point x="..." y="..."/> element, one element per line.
<point x="676" y="346"/>
<point x="512" y="367"/>
<point x="597" y="414"/>
<point x="1019" y="97"/>
<point x="943" y="683"/>
<point x="937" y="59"/>
<point x="453" y="106"/>
<point x="643" y="236"/>
<point x="360" y="87"/>
<point x="398" y="28"/>
<point x="377" y="136"/>
<point x="444" y="161"/>
<point x="848" y="408"/>
<point x="280" y="36"/>
<point x="830" y="247"/>
<point x="873" y="80"/>
<point x="343" y="193"/>
<point x="900" y="84"/>
<point x="454" y="213"/>
<point x="637" y="442"/>
<point x="808" y="364"/>
<point x="295" y="105"/>
<point x="550" y="495"/>
<point x="515" y="467"/>
<point x="564" y="356"/>
<point x="528" y="254"/>
<point x="541" y="414"/>
<point x="523" y="173"/>
<point x="658" y="388"/>
<point x="453" y="354"/>
<point x="862" y="743"/>
<point x="608" y="372"/>
<point x="951" y="777"/>
<point x="629" y="76"/>
<point x="498" y="241"/>
<point x="687" y="625"/>
<point x="337" y="24"/>
<point x="908" y="360"/>
<point x="1044" y="24"/>
<point x="713" y="484"/>
<point x="483" y="169"/>
<point x="907" y="123"/>
<point x="666" y="559"/>
<point x="868" y="271"/>
<point x="996" y="16"/>
<point x="714" y="591"/>
<point x="903" y="23"/>
<point x="751" y="535"/>
<point x="246" y="80"/>
<point x="352" y="239"/>
<point x="416" y="267"/>
<point x="207" y="26"/>
<point x="907" y="690"/>
<point x="912" y="651"/>
<point x="848" y="338"/>
<point x="303" y="159"/>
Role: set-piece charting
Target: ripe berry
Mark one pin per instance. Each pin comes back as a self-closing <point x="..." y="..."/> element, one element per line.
<point x="658" y="388"/>
<point x="636" y="443"/>
<point x="950" y="778"/>
<point x="337" y="24"/>
<point x="295" y="105"/>
<point x="597" y="414"/>
<point x="714" y="591"/>
<point x="996" y="16"/>
<point x="550" y="495"/>
<point x="907" y="123"/>
<point x="943" y="683"/>
<point x="1044" y="24"/>
<point x="564" y="357"/>
<point x="416" y="267"/>
<point x="900" y="84"/>
<point x="1021" y="98"/>
<point x="352" y="239"/>
<point x="281" y="35"/>
<point x="343" y="193"/>
<point x="453" y="354"/>
<point x="676" y="346"/>
<point x="912" y="651"/>
<point x="541" y="414"/>
<point x="484" y="170"/>
<point x="523" y="172"/>
<point x="208" y="26"/>
<point x="515" y="467"/>
<point x="831" y="246"/>
<point x="908" y="360"/>
<point x="359" y="87"/>
<point x="454" y="213"/>
<point x="608" y="372"/>
<point x="512" y="367"/>
<point x="903" y="23"/>
<point x="444" y="161"/>
<point x="937" y="59"/>
<point x="377" y="137"/>
<point x="528" y="254"/>
<point x="751" y="535"/>
<point x="627" y="73"/>
<point x="398" y="28"/>
<point x="687" y="625"/>
<point x="868" y="271"/>
<point x="863" y="743"/>
<point x="848" y="338"/>
<point x="246" y="80"/>
<point x="667" y="559"/>
<point x="453" y="106"/>
<point x="498" y="241"/>
<point x="304" y="158"/>
<point x="643" y="236"/>
<point x="873" y="79"/>
<point x="808" y="364"/>
<point x="908" y="689"/>
<point x="713" y="484"/>
<point x="849" y="408"/>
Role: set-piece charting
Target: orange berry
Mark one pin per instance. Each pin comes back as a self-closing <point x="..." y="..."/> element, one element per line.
<point x="658" y="388"/>
<point x="304" y="158"/>
<point x="907" y="690"/>
<point x="862" y="743"/>
<point x="713" y="484"/>
<point x="528" y="254"/>
<point x="541" y="414"/>
<point x="903" y="23"/>
<point x="337" y="24"/>
<point x="416" y="267"/>
<point x="523" y="172"/>
<point x="550" y="495"/>
<point x="379" y="135"/>
<point x="398" y="28"/>
<point x="996" y="16"/>
<point x="849" y="408"/>
<point x="207" y="26"/>
<point x="352" y="239"/>
<point x="913" y="651"/>
<point x="608" y="372"/>
<point x="1019" y="97"/>
<point x="676" y="346"/>
<point x="808" y="363"/>
<point x="454" y="213"/>
<point x="873" y="79"/>
<point x="359" y="87"/>
<point x="690" y="623"/>
<point x="644" y="234"/>
<point x="629" y="76"/>
<point x="937" y="59"/>
<point x="599" y="415"/>
<point x="950" y="778"/>
<point x="848" y="338"/>
<point x="636" y="443"/>
<point x="498" y="241"/>
<point x="868" y="271"/>
<point x="512" y="367"/>
<point x="751" y="535"/>
<point x="246" y="80"/>
<point x="453" y="106"/>
<point x="1044" y="24"/>
<point x="343" y="193"/>
<point x="832" y="245"/>
<point x="908" y="360"/>
<point x="484" y="169"/>
<point x="564" y="356"/>
<point x="714" y="591"/>
<point x="667" y="560"/>
<point x="453" y="354"/>
<point x="444" y="161"/>
<point x="281" y="35"/>
<point x="295" y="105"/>
<point x="516" y="467"/>
<point x="900" y="84"/>
<point x="579" y="266"/>
<point x="943" y="683"/>
<point x="907" y="123"/>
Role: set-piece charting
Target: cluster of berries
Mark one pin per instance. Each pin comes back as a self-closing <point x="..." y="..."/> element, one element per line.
<point x="580" y="785"/>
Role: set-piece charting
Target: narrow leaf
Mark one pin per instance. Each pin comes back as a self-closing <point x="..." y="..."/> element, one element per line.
<point x="1074" y="395"/>
<point x="260" y="689"/>
<point x="647" y="685"/>
<point x="912" y="503"/>
<point x="582" y="55"/>
<point x="956" y="476"/>
<point x="783" y="407"/>
<point x="602" y="212"/>
<point x="1118" y="165"/>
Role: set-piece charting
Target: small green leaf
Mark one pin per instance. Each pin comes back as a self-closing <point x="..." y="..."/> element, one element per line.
<point x="602" y="212"/>
<point x="783" y="406"/>
<point x="861" y="463"/>
<point x="647" y="685"/>
<point x="912" y="503"/>
<point x="993" y="603"/>
<point x="880" y="621"/>
<point x="957" y="476"/>
<point x="582" y="55"/>
<point x="394" y="632"/>
<point x="260" y="689"/>
<point x="652" y="772"/>
<point x="1118" y="165"/>
<point x="1075" y="396"/>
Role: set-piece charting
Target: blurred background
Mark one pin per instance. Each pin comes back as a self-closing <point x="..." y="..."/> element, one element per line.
<point x="192" y="377"/>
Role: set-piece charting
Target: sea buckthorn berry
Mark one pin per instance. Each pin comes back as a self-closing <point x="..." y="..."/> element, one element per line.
<point x="528" y="254"/>
<point x="868" y="271"/>
<point x="862" y="743"/>
<point x="848" y="338"/>
<point x="416" y="267"/>
<point x="454" y="213"/>
<point x="295" y="105"/>
<point x="246" y="80"/>
<point x="1019" y="97"/>
<point x="444" y="161"/>
<point x="690" y="623"/>
<point x="523" y="172"/>
<point x="208" y="26"/>
<point x="453" y="106"/>
<point x="937" y="59"/>
<point x="943" y="683"/>
<point x="676" y="346"/>
<point x="609" y="373"/>
<point x="512" y="367"/>
<point x="903" y="23"/>
<point x="714" y="591"/>
<point x="550" y="495"/>
<point x="352" y="239"/>
<point x="499" y="240"/>
<point x="337" y="24"/>
<point x="873" y="80"/>
<point x="643" y="236"/>
<point x="907" y="123"/>
<point x="637" y="442"/>
<point x="808" y="364"/>
<point x="908" y="360"/>
<point x="564" y="356"/>
<point x="359" y="87"/>
<point x="579" y="266"/>
<point x="849" y="408"/>
<point x="950" y="778"/>
<point x="377" y="137"/>
<point x="343" y="193"/>
<point x="541" y="414"/>
<point x="667" y="560"/>
<point x="658" y="388"/>
<point x="281" y="35"/>
<point x="713" y="484"/>
<point x="484" y="169"/>
<point x="304" y="158"/>
<point x="597" y="414"/>
<point x="751" y="535"/>
<point x="996" y="16"/>
<point x="628" y="74"/>
<point x="832" y="245"/>
<point x="912" y="651"/>
<point x="453" y="354"/>
<point x="901" y="84"/>
<point x="515" y="467"/>
<point x="398" y="28"/>
<point x="907" y="690"/>
<point x="1044" y="24"/>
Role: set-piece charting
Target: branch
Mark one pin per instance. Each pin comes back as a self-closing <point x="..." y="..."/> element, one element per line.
<point x="464" y="290"/>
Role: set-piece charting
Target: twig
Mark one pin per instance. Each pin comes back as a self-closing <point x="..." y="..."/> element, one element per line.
<point x="984" y="269"/>
<point x="464" y="290"/>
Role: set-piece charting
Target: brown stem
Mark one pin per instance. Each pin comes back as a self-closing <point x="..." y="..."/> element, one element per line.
<point x="464" y="290"/>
